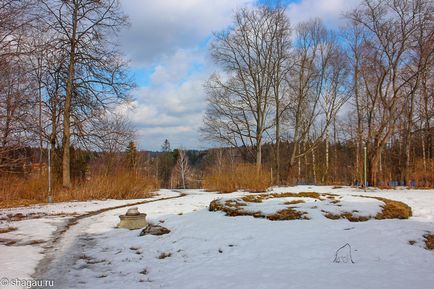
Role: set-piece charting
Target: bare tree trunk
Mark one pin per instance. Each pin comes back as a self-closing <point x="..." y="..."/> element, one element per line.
<point x="66" y="161"/>
<point x="326" y="173"/>
<point x="258" y="157"/>
<point x="313" y="166"/>
<point x="277" y="146"/>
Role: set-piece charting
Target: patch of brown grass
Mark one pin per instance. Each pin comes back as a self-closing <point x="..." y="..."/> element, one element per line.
<point x="262" y="197"/>
<point x="8" y="242"/>
<point x="393" y="209"/>
<point x="287" y="214"/>
<point x="164" y="255"/>
<point x="240" y="177"/>
<point x="346" y="215"/>
<point x="294" y="202"/>
<point x="312" y="195"/>
<point x="429" y="241"/>
<point x="7" y="229"/>
<point x="37" y="242"/>
<point x="24" y="191"/>
<point x="253" y="198"/>
<point x="233" y="208"/>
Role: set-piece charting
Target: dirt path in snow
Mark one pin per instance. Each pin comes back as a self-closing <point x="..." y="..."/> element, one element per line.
<point x="68" y="235"/>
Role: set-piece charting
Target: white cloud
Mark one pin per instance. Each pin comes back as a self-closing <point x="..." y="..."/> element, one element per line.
<point x="169" y="35"/>
<point x="330" y="11"/>
<point x="173" y="104"/>
<point x="162" y="27"/>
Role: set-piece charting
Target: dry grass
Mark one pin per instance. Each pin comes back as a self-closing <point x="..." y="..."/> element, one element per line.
<point x="346" y="215"/>
<point x="241" y="177"/>
<point x="7" y="230"/>
<point x="234" y="208"/>
<point x="261" y="197"/>
<point x="294" y="202"/>
<point x="429" y="241"/>
<point x="164" y="255"/>
<point x="253" y="198"/>
<point x="393" y="209"/>
<point x="312" y="195"/>
<point x="390" y="210"/>
<point x="287" y="214"/>
<point x="18" y="191"/>
<point x="120" y="186"/>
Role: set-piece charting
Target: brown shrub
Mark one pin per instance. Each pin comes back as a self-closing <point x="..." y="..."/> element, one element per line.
<point x="424" y="175"/>
<point x="241" y="177"/>
<point x="20" y="191"/>
<point x="429" y="241"/>
<point x="119" y="186"/>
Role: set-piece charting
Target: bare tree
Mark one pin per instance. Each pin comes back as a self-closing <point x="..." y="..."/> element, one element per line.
<point x="182" y="167"/>
<point x="386" y="68"/>
<point x="94" y="69"/>
<point x="15" y="85"/>
<point x="240" y="102"/>
<point x="315" y="84"/>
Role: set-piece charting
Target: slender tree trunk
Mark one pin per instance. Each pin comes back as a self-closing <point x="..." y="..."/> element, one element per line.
<point x="423" y="151"/>
<point x="41" y="141"/>
<point x="66" y="161"/>
<point x="327" y="144"/>
<point x="258" y="157"/>
<point x="313" y="166"/>
<point x="277" y="148"/>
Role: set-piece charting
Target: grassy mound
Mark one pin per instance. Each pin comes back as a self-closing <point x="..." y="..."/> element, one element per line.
<point x="238" y="207"/>
<point x="393" y="209"/>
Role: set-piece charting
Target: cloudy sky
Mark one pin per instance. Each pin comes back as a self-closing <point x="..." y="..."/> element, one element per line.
<point x="167" y="44"/>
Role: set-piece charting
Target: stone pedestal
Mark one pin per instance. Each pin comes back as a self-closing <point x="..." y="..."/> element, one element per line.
<point x="133" y="219"/>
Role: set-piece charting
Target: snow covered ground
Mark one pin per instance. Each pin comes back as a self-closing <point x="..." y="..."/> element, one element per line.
<point x="33" y="227"/>
<point x="210" y="250"/>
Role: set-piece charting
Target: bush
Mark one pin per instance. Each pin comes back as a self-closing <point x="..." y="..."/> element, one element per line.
<point x="118" y="186"/>
<point x="24" y="191"/>
<point x="240" y="177"/>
